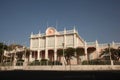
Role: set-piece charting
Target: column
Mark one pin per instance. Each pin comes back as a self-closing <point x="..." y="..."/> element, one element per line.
<point x="64" y="41"/>
<point x="31" y="40"/>
<point x="113" y="44"/>
<point x="74" y="44"/>
<point x="64" y="46"/>
<point x="30" y="43"/>
<point x="74" y="29"/>
<point x="55" y="49"/>
<point x="63" y="58"/>
<point x="86" y="55"/>
<point x="75" y="41"/>
<point x="30" y="56"/>
<point x="111" y="61"/>
<point x="55" y="55"/>
<point x="38" y="55"/>
<point x="97" y="49"/>
<point x="39" y="40"/>
<point x="46" y="53"/>
<point x="46" y="50"/>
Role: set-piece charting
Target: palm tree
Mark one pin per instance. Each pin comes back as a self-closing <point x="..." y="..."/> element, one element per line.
<point x="115" y="54"/>
<point x="69" y="53"/>
<point x="59" y="54"/>
<point x="79" y="52"/>
<point x="27" y="53"/>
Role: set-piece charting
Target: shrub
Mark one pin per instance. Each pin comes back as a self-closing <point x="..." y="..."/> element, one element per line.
<point x="116" y="62"/>
<point x="44" y="62"/>
<point x="96" y="62"/>
<point x="56" y="63"/>
<point x="6" y="64"/>
<point x="85" y="62"/>
<point x="35" y="62"/>
<point x="19" y="62"/>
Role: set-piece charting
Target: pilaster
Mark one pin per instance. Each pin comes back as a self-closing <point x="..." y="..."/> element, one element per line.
<point x="30" y="57"/>
<point x="75" y="41"/>
<point x="97" y="49"/>
<point x="86" y="55"/>
<point x="55" y="49"/>
<point x="46" y="49"/>
<point x="113" y="44"/>
<point x="55" y="54"/>
<point x="64" y="41"/>
<point x="31" y="43"/>
<point x="38" y="54"/>
<point x="31" y="40"/>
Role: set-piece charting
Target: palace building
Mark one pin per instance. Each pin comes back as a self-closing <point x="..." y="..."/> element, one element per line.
<point x="46" y="45"/>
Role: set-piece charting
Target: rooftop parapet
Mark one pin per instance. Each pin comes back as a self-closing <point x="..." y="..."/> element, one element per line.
<point x="57" y="33"/>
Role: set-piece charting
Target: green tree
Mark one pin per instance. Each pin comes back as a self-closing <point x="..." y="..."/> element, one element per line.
<point x="18" y="54"/>
<point x="2" y="48"/>
<point x="59" y="54"/>
<point x="115" y="54"/>
<point x="14" y="46"/>
<point x="79" y="52"/>
<point x="69" y="53"/>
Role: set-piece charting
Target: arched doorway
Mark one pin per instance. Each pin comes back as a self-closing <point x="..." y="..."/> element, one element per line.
<point x="89" y="51"/>
<point x="34" y="54"/>
<point x="51" y="55"/>
<point x="42" y="54"/>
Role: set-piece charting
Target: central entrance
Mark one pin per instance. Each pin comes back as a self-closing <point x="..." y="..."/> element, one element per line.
<point x="51" y="55"/>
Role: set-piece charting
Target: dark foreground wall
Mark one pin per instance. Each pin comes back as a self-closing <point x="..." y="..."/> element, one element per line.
<point x="59" y="75"/>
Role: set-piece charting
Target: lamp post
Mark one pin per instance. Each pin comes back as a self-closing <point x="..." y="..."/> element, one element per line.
<point x="63" y="44"/>
<point x="110" y="54"/>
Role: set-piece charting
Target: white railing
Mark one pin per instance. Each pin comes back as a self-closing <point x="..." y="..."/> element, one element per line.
<point x="103" y="45"/>
<point x="106" y="45"/>
<point x="42" y="34"/>
<point x="91" y="44"/>
<point x="80" y="46"/>
<point x="117" y="44"/>
<point x="35" y="35"/>
<point x="69" y="31"/>
<point x="61" y="32"/>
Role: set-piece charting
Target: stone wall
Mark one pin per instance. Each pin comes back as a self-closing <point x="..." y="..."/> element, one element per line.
<point x="63" y="68"/>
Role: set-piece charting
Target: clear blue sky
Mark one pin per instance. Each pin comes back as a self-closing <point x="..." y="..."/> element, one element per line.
<point x="94" y="19"/>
